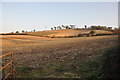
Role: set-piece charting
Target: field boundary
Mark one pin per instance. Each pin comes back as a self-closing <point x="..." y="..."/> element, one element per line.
<point x="7" y="67"/>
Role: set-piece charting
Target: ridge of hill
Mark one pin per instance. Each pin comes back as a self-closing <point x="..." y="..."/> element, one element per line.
<point x="67" y="33"/>
<point x="64" y="33"/>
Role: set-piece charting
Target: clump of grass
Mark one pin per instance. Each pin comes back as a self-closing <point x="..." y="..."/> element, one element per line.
<point x="89" y="66"/>
<point x="70" y="75"/>
<point x="93" y="68"/>
<point x="91" y="63"/>
<point x="23" y="72"/>
<point x="110" y="63"/>
<point x="60" y="69"/>
<point x="89" y="69"/>
<point x="80" y="55"/>
<point x="24" y="68"/>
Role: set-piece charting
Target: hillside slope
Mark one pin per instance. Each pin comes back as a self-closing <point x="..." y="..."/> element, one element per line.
<point x="66" y="32"/>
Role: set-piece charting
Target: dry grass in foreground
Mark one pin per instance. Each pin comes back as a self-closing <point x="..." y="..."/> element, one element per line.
<point x="57" y="57"/>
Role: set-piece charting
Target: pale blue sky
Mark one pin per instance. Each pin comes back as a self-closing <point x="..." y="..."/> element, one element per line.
<point x="44" y="15"/>
<point x="59" y="0"/>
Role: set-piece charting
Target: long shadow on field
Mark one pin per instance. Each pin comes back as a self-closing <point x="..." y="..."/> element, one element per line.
<point x="111" y="63"/>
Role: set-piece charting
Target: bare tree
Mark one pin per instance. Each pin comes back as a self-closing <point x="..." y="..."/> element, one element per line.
<point x="34" y="30"/>
<point x="67" y="27"/>
<point x="51" y="28"/>
<point x="55" y="28"/>
<point x="17" y="31"/>
<point x="63" y="26"/>
<point x="72" y="26"/>
<point x="23" y="31"/>
<point x="85" y="26"/>
<point x="59" y="27"/>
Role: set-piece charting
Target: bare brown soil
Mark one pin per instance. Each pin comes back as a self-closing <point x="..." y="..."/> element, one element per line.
<point x="37" y="52"/>
<point x="32" y="49"/>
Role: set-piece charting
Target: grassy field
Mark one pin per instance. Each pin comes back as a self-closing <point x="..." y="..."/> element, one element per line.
<point x="41" y="57"/>
<point x="67" y="32"/>
<point x="110" y="63"/>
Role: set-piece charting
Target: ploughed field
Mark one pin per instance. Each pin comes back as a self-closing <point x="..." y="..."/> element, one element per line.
<point x="56" y="57"/>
